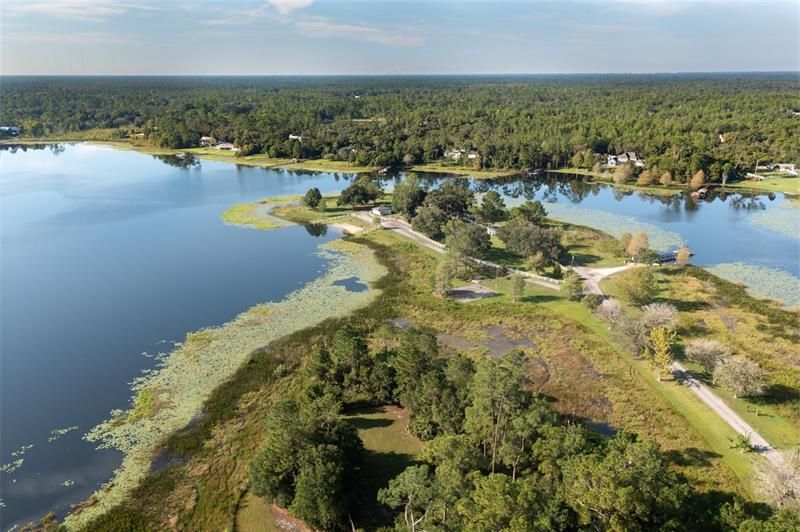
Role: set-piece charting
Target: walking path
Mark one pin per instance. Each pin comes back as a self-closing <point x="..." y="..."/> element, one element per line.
<point x="592" y="278"/>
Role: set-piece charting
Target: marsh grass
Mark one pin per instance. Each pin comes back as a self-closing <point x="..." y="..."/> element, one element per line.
<point x="761" y="281"/>
<point x="189" y="380"/>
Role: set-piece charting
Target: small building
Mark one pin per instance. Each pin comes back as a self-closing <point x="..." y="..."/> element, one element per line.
<point x="455" y="154"/>
<point x="472" y="154"/>
<point x="292" y="136"/>
<point x="207" y="142"/>
<point x="490" y="230"/>
<point x="381" y="210"/>
<point x="11" y="131"/>
<point x="787" y="167"/>
<point x="385" y="170"/>
<point x="624" y="158"/>
<point x="227" y="146"/>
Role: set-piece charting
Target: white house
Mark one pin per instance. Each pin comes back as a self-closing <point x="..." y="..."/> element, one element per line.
<point x="473" y="154"/>
<point x="207" y="142"/>
<point x="624" y="158"/>
<point x="491" y="231"/>
<point x="292" y="136"/>
<point x="227" y="146"/>
<point x="456" y="153"/>
<point x="787" y="167"/>
<point x="381" y="210"/>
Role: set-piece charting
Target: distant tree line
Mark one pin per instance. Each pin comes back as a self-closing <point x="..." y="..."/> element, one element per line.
<point x="681" y="124"/>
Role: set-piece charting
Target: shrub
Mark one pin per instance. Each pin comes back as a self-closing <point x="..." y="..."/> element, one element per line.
<point x="637" y="286"/>
<point x="742" y="376"/>
<point x="706" y="352"/>
<point x="572" y="287"/>
<point x="592" y="301"/>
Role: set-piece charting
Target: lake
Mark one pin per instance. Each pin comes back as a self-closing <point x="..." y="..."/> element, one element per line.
<point x="109" y="256"/>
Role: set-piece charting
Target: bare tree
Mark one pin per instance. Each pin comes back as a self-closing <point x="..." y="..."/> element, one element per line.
<point x="744" y="377"/>
<point x="707" y="352"/>
<point x="781" y="484"/>
<point x="637" y="244"/>
<point x="659" y="315"/>
<point x="610" y="310"/>
<point x="683" y="255"/>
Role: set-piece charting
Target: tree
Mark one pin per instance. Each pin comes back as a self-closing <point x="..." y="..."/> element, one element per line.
<point x="348" y="351"/>
<point x="443" y="280"/>
<point x="572" y="287"/>
<point x="637" y="286"/>
<point x="645" y="178"/>
<point x="525" y="238"/>
<point x="492" y="208"/>
<point x="637" y="244"/>
<point x="623" y="173"/>
<point x="532" y="211"/>
<point x="741" y="375"/>
<point x="782" y="484"/>
<point x="659" y="315"/>
<point x="408" y="195"/>
<point x="454" y="198"/>
<point x="492" y="505"/>
<point x="707" y="352"/>
<point x="497" y="394"/>
<point x="429" y="221"/>
<point x="666" y="179"/>
<point x="537" y="262"/>
<point x="320" y="498"/>
<point x="626" y="486"/>
<point x="517" y="286"/>
<point x="312" y="198"/>
<point x="662" y="339"/>
<point x="412" y="490"/>
<point x="698" y="180"/>
<point x="362" y="191"/>
<point x="610" y="310"/>
<point x="683" y="255"/>
<point x="466" y="240"/>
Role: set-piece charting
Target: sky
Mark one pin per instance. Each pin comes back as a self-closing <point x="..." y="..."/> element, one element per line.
<point x="285" y="37"/>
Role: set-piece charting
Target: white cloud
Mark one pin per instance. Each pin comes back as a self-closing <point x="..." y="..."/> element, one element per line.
<point x="86" y="10"/>
<point x="322" y="28"/>
<point x="284" y="7"/>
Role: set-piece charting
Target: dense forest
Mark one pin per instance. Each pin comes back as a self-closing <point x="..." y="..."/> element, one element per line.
<point x="721" y="123"/>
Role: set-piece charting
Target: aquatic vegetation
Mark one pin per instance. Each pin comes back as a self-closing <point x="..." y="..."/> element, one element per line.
<point x="57" y="433"/>
<point x="785" y="220"/>
<point x="257" y="215"/>
<point x="762" y="281"/>
<point x="19" y="454"/>
<point x="181" y="383"/>
<point x="68" y="483"/>
<point x="613" y="224"/>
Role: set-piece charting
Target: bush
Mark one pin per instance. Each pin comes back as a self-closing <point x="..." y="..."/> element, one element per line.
<point x="706" y="352"/>
<point x="637" y="286"/>
<point x="741" y="375"/>
<point x="572" y="287"/>
<point x="592" y="301"/>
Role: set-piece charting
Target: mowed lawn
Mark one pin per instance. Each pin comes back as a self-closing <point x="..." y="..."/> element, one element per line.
<point x="389" y="448"/>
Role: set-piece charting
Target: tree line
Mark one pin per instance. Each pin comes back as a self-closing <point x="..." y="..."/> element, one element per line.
<point x="681" y="124"/>
<point x="495" y="455"/>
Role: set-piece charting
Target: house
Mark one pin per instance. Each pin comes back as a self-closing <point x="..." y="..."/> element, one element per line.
<point x="11" y="131"/>
<point x="227" y="146"/>
<point x="455" y="154"/>
<point x="491" y="231"/>
<point x="624" y="158"/>
<point x="292" y="136"/>
<point x="787" y="167"/>
<point x="472" y="154"/>
<point x="381" y="210"/>
<point x="207" y="142"/>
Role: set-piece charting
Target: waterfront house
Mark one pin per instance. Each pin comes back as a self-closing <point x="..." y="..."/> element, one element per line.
<point x="12" y="131"/>
<point x="292" y="136"/>
<point x="455" y="154"/>
<point x="207" y="142"/>
<point x="227" y="146"/>
<point x="381" y="210"/>
<point x="787" y="167"/>
<point x="473" y="154"/>
<point x="624" y="158"/>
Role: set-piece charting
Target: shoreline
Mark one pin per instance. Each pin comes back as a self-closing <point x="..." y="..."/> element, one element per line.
<point x="191" y="373"/>
<point x="335" y="166"/>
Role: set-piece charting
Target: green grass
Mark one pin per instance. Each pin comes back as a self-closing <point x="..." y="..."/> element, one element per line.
<point x="445" y="168"/>
<point x="607" y="177"/>
<point x="787" y="185"/>
<point x="248" y="214"/>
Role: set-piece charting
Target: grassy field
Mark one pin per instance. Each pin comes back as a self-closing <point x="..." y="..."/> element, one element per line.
<point x="772" y="342"/>
<point x="787" y="185"/>
<point x="390" y="448"/>
<point x="606" y="176"/>
<point x="444" y="168"/>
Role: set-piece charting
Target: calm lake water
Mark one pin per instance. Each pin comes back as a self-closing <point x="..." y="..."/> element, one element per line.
<point x="106" y="255"/>
<point x="109" y="254"/>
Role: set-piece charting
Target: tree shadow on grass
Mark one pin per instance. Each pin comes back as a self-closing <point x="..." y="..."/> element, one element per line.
<point x="690" y="456"/>
<point x="539" y="299"/>
<point x="362" y="423"/>
<point x="685" y="306"/>
<point x="378" y="469"/>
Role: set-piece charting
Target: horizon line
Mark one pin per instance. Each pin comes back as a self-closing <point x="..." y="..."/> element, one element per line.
<point x="457" y="74"/>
